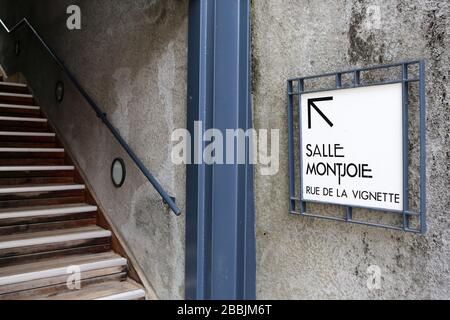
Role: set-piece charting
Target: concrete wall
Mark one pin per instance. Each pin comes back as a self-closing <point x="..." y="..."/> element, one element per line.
<point x="311" y="259"/>
<point x="131" y="58"/>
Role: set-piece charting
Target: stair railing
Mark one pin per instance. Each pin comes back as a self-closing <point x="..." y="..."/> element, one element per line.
<point x="102" y="115"/>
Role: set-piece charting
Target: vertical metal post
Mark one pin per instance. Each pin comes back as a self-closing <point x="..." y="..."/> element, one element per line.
<point x="220" y="217"/>
<point x="423" y="148"/>
<point x="348" y="213"/>
<point x="290" y="97"/>
<point x="198" y="175"/>
<point x="300" y="89"/>
<point x="356" y="78"/>
<point x="405" y="133"/>
<point x="338" y="80"/>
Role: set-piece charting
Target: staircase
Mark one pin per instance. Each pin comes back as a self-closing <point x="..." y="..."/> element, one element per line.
<point x="48" y="218"/>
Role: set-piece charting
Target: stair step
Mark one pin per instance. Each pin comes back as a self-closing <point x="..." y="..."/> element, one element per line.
<point x="42" y="194"/>
<point x="35" y="180"/>
<point x="55" y="271"/>
<point x="111" y="290"/>
<point x="32" y="161"/>
<point x="12" y="84"/>
<point x="36" y="175"/>
<point x="23" y="124"/>
<point x="49" y="237"/>
<point x="91" y="290"/>
<point x="20" y="112"/>
<point x="18" y="106"/>
<point x="45" y="211"/>
<point x="46" y="226"/>
<point x="41" y="188"/>
<point x="31" y="150"/>
<point x="26" y="137"/>
<point x="136" y="294"/>
<point x="60" y="199"/>
<point x="31" y="153"/>
<point x="36" y="168"/>
<point x="27" y="134"/>
<point x="18" y="95"/>
<point x="23" y="119"/>
<point x="16" y="98"/>
<point x="39" y="218"/>
<point x="18" y="144"/>
<point x="49" y="241"/>
<point x="11" y="87"/>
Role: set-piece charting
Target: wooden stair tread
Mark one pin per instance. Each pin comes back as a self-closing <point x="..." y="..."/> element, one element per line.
<point x="16" y="95"/>
<point x="46" y="224"/>
<point x="11" y="87"/>
<point x="41" y="188"/>
<point x="27" y="134"/>
<point x="32" y="150"/>
<point x="110" y="290"/>
<point x="28" y="144"/>
<point x="18" y="106"/>
<point x="14" y="84"/>
<point x="47" y="268"/>
<point x="24" y="119"/>
<point x="54" y="236"/>
<point x="36" y="168"/>
<point x="45" y="264"/>
<point x="16" y="98"/>
<point x="45" y="210"/>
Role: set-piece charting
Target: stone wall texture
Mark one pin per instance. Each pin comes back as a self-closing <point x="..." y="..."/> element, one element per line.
<point x="301" y="258"/>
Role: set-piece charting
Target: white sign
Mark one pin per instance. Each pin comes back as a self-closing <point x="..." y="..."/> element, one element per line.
<point x="352" y="147"/>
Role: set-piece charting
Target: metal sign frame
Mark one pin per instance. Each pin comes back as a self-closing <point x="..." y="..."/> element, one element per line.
<point x="295" y="90"/>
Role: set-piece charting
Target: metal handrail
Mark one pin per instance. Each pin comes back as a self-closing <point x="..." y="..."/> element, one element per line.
<point x="102" y="115"/>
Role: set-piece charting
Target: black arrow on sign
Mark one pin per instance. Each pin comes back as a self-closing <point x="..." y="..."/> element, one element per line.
<point x="311" y="103"/>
